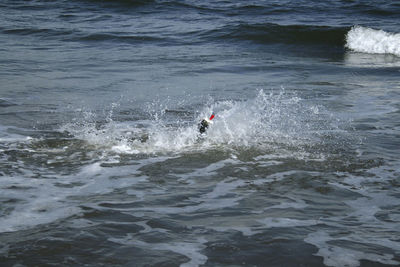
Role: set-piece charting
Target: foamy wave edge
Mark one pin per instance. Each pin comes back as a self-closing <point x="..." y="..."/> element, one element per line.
<point x="367" y="40"/>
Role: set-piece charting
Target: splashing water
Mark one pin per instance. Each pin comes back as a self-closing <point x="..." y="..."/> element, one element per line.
<point x="264" y="122"/>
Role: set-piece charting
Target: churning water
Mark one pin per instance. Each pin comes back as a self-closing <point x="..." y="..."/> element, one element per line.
<point x="102" y="164"/>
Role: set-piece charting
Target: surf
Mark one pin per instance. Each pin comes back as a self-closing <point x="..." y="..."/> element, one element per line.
<point x="371" y="41"/>
<point x="270" y="120"/>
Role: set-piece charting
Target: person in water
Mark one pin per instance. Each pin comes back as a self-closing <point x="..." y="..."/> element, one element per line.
<point x="203" y="126"/>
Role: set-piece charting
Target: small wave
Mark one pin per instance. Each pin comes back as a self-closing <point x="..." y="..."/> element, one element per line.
<point x="6" y="103"/>
<point x="388" y="8"/>
<point x="367" y="40"/>
<point x="41" y="32"/>
<point x="267" y="33"/>
<point x="70" y="35"/>
<point x="116" y="37"/>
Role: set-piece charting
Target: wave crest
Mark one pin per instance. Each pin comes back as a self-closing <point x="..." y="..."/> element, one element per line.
<point x="367" y="40"/>
<point x="267" y="33"/>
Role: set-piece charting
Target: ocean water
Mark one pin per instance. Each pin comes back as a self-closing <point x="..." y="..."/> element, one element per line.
<point x="101" y="162"/>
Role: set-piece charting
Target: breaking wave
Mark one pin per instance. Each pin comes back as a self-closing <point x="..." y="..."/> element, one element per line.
<point x="367" y="40"/>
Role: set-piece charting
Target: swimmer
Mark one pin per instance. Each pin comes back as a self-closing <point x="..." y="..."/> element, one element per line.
<point x="205" y="123"/>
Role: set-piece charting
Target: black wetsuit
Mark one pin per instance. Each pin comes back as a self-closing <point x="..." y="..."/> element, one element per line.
<point x="203" y="126"/>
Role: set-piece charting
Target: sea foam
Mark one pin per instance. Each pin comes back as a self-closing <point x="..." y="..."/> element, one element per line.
<point x="367" y="40"/>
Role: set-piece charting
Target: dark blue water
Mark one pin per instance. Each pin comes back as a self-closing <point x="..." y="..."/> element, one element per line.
<point x="102" y="164"/>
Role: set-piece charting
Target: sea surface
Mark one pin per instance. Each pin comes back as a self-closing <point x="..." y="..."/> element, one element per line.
<point x="102" y="164"/>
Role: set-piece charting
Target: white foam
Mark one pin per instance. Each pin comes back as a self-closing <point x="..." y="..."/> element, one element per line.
<point x="246" y="231"/>
<point x="39" y="211"/>
<point x="43" y="200"/>
<point x="340" y="256"/>
<point x="297" y="204"/>
<point x="221" y="196"/>
<point x="367" y="40"/>
<point x="279" y="176"/>
<point x="371" y="200"/>
<point x="190" y="250"/>
<point x="148" y="229"/>
<point x="368" y="227"/>
<point x="81" y="223"/>
<point x="208" y="170"/>
<point x="125" y="149"/>
<point x="223" y="188"/>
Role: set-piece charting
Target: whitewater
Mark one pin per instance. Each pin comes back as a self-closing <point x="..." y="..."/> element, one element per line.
<point x="367" y="40"/>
